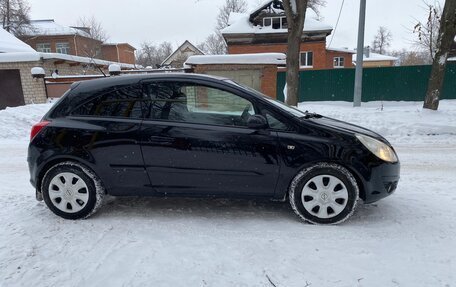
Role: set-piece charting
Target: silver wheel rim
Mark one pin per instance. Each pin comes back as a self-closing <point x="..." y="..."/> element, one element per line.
<point x="324" y="196"/>
<point x="68" y="192"/>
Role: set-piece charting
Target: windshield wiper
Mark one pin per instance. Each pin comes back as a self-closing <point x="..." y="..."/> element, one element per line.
<point x="311" y="115"/>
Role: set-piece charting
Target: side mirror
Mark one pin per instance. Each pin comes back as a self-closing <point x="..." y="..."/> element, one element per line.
<point x="257" y="122"/>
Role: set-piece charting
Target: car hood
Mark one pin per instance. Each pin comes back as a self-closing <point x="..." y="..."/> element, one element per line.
<point x="344" y="127"/>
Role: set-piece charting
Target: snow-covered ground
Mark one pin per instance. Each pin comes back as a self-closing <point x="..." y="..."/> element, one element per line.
<point x="407" y="239"/>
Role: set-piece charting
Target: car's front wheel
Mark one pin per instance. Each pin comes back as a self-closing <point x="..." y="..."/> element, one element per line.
<point x="72" y="191"/>
<point x="325" y="193"/>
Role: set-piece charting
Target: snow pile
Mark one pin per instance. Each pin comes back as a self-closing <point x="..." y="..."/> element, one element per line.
<point x="397" y="121"/>
<point x="15" y="123"/>
<point x="259" y="58"/>
<point x="9" y="43"/>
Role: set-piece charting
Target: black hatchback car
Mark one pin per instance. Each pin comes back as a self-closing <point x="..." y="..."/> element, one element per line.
<point x="194" y="135"/>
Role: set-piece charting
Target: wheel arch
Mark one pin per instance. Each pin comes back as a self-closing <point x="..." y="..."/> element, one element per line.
<point x="54" y="161"/>
<point x="356" y="175"/>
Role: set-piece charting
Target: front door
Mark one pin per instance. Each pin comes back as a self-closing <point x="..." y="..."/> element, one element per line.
<point x="196" y="141"/>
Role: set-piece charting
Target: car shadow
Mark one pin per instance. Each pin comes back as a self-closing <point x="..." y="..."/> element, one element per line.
<point x="227" y="209"/>
<point x="171" y="207"/>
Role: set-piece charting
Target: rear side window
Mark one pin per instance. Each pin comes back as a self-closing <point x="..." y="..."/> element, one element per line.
<point x="125" y="102"/>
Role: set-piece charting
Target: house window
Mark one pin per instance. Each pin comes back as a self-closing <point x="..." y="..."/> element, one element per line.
<point x="275" y="22"/>
<point x="43" y="47"/>
<point x="62" y="48"/>
<point x="339" y="62"/>
<point x="306" y="59"/>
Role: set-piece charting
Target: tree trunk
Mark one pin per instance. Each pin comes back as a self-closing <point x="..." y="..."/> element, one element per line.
<point x="295" y="13"/>
<point x="8" y="15"/>
<point x="447" y="32"/>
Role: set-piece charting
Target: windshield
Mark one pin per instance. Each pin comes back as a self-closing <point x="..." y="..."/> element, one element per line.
<point x="291" y="110"/>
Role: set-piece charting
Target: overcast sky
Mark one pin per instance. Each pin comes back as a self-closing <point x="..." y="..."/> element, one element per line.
<point x="155" y="21"/>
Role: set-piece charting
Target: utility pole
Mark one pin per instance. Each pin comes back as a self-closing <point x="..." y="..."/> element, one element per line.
<point x="359" y="55"/>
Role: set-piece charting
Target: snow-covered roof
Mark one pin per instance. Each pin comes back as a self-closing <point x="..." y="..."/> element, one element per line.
<point x="374" y="57"/>
<point x="260" y="58"/>
<point x="9" y="43"/>
<point x="118" y="44"/>
<point x="37" y="56"/>
<point x="51" y="28"/>
<point x="240" y="24"/>
<point x="344" y="50"/>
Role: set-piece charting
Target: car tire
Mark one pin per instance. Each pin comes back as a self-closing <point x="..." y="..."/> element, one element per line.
<point x="72" y="191"/>
<point x="325" y="193"/>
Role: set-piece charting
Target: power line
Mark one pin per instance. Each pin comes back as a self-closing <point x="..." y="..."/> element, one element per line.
<point x="337" y="23"/>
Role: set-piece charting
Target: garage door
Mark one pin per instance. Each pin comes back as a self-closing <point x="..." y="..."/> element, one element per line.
<point x="249" y="78"/>
<point x="11" y="94"/>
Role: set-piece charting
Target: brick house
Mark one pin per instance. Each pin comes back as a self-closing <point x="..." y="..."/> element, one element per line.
<point x="265" y="31"/>
<point x="47" y="36"/>
<point x="118" y="52"/>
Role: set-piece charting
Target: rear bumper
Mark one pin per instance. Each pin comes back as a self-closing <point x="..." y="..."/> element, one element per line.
<point x="382" y="182"/>
<point x="32" y="164"/>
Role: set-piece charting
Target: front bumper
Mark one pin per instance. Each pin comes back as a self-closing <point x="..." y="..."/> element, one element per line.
<point x="382" y="182"/>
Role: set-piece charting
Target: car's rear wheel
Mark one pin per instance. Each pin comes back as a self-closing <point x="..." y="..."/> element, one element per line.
<point x="72" y="191"/>
<point x="325" y="193"/>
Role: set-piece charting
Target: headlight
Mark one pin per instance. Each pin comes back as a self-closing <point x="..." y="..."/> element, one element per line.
<point x="380" y="149"/>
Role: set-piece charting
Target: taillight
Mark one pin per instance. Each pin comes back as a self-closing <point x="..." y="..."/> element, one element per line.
<point x="37" y="128"/>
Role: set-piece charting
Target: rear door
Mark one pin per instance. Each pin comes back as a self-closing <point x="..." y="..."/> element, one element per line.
<point x="195" y="141"/>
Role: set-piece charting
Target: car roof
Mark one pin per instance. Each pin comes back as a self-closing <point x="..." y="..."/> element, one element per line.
<point x="132" y="79"/>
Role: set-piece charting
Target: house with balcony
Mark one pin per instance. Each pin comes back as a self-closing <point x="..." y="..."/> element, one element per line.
<point x="264" y="30"/>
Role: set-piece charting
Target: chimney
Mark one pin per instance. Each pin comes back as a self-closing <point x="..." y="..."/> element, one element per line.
<point x="367" y="51"/>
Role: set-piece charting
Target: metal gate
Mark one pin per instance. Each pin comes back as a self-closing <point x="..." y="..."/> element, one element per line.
<point x="11" y="94"/>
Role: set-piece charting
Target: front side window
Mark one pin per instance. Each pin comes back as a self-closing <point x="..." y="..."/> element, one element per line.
<point x="126" y="102"/>
<point x="62" y="48"/>
<point x="275" y="122"/>
<point x="43" y="47"/>
<point x="339" y="62"/>
<point x="306" y="59"/>
<point x="193" y="103"/>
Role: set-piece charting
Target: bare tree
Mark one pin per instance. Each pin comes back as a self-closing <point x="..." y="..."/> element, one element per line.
<point x="382" y="40"/>
<point x="96" y="32"/>
<point x="15" y="16"/>
<point x="428" y="32"/>
<point x="445" y="39"/>
<point x="95" y="28"/>
<point x="213" y="45"/>
<point x="153" y="55"/>
<point x="230" y="6"/>
<point x="410" y="58"/>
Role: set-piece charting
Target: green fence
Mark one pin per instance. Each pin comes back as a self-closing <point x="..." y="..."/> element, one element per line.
<point x="379" y="84"/>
